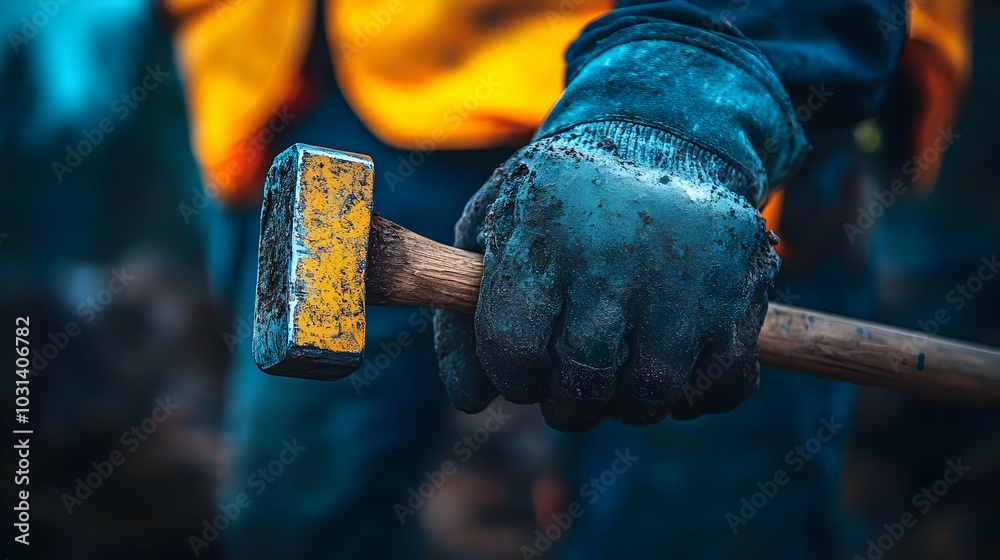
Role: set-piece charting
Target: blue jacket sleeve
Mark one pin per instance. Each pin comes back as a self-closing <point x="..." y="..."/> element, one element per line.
<point x="834" y="54"/>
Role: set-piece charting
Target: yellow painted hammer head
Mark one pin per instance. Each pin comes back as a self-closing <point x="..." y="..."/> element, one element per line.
<point x="310" y="315"/>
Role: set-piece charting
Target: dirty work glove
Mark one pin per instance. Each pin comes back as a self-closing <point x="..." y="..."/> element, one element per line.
<point x="622" y="247"/>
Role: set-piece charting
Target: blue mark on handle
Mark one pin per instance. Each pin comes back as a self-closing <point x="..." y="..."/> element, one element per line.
<point x="920" y="362"/>
<point x="869" y="333"/>
<point x="861" y="331"/>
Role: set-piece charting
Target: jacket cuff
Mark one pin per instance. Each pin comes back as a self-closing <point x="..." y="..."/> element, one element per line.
<point x="696" y="86"/>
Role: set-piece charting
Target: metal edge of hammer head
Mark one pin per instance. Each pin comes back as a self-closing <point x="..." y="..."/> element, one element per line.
<point x="309" y="318"/>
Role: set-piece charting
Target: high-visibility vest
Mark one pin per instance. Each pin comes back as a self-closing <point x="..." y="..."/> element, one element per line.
<point x="459" y="73"/>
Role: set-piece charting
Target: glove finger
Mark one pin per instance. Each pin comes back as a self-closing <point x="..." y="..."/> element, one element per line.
<point x="721" y="381"/>
<point x="728" y="373"/>
<point x="468" y="387"/>
<point x="591" y="349"/>
<point x="520" y="301"/>
<point x="664" y="351"/>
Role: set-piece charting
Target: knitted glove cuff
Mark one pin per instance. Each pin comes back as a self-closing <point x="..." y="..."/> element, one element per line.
<point x="658" y="149"/>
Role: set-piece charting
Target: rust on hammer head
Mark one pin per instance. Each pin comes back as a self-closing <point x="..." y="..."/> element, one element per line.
<point x="310" y="311"/>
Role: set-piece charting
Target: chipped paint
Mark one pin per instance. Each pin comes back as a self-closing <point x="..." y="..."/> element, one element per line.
<point x="333" y="205"/>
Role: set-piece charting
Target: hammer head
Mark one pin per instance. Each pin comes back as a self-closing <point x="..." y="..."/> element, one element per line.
<point x="310" y="312"/>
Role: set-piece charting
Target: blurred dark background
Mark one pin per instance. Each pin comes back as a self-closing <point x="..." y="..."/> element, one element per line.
<point x="130" y="213"/>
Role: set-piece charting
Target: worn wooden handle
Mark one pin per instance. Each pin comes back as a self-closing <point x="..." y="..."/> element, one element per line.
<point x="407" y="269"/>
<point x="878" y="355"/>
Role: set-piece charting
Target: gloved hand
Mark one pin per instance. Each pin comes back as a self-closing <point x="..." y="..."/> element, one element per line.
<point x="622" y="248"/>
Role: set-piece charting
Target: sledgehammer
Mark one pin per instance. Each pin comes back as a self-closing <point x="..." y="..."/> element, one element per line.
<point x="324" y="256"/>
